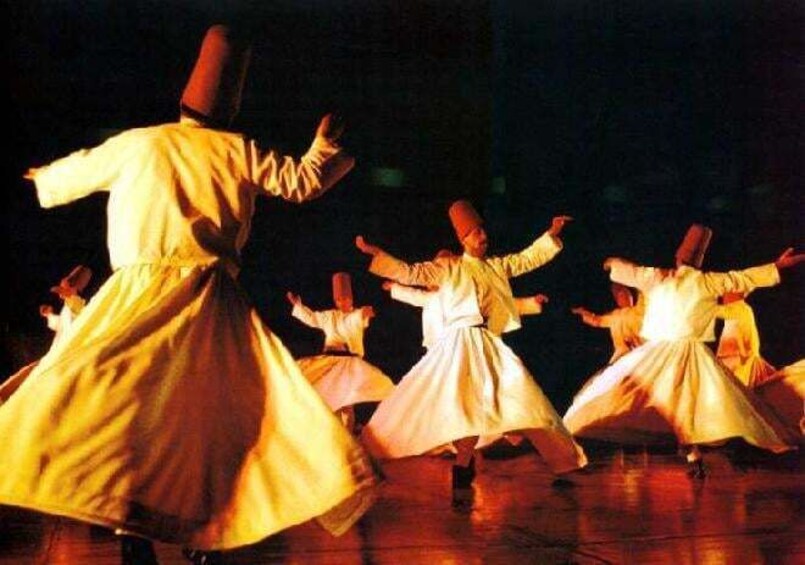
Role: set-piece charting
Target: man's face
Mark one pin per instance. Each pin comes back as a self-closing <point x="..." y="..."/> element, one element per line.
<point x="475" y="243"/>
<point x="344" y="304"/>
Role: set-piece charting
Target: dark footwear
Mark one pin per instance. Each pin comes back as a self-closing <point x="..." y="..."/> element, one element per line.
<point x="696" y="469"/>
<point x="462" y="477"/>
<point x="198" y="557"/>
<point x="137" y="551"/>
<point x="560" y="482"/>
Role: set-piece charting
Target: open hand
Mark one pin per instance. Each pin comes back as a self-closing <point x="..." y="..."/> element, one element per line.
<point x="558" y="224"/>
<point x="789" y="259"/>
<point x="331" y="127"/>
<point x="293" y="298"/>
<point x="365" y="247"/>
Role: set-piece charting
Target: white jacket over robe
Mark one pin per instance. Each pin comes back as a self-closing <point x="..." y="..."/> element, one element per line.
<point x="170" y="410"/>
<point x="342" y="381"/>
<point x="470" y="383"/>
<point x="673" y="384"/>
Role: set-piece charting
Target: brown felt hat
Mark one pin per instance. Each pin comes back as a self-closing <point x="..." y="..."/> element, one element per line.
<point x="214" y="90"/>
<point x="342" y="286"/>
<point x="464" y="218"/>
<point x="693" y="247"/>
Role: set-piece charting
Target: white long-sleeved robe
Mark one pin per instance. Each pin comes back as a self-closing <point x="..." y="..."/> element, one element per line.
<point x="469" y="383"/>
<point x="341" y="380"/>
<point x="739" y="344"/>
<point x="673" y="384"/>
<point x="170" y="410"/>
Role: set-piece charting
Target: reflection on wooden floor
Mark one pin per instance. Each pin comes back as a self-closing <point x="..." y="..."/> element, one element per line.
<point x="632" y="506"/>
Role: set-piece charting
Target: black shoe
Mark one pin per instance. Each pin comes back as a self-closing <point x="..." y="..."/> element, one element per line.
<point x="462" y="477"/>
<point x="560" y="483"/>
<point x="198" y="557"/>
<point x="137" y="551"/>
<point x="696" y="469"/>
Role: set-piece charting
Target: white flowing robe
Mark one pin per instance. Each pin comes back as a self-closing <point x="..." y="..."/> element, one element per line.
<point x="170" y="410"/>
<point x="739" y="344"/>
<point x="470" y="383"/>
<point x="342" y="380"/>
<point x="673" y="384"/>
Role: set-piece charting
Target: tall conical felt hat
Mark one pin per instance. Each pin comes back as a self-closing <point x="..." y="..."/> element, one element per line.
<point x="214" y="89"/>
<point x="693" y="247"/>
<point x="464" y="218"/>
<point x="342" y="286"/>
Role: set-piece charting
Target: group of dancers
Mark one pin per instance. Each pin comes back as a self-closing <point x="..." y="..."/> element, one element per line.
<point x="169" y="411"/>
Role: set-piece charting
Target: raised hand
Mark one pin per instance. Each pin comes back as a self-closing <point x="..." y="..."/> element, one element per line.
<point x="293" y="298"/>
<point x="789" y="259"/>
<point x="387" y="285"/>
<point x="540" y="299"/>
<point x="331" y="127"/>
<point x="365" y="247"/>
<point x="557" y="224"/>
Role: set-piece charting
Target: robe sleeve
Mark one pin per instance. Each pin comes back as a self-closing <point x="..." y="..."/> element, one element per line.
<point x="745" y="281"/>
<point x="324" y="164"/>
<point x="542" y="250"/>
<point x="307" y="316"/>
<point x="642" y="278"/>
<point x="80" y="173"/>
<point x="410" y="295"/>
<point x="428" y="273"/>
<point x="527" y="306"/>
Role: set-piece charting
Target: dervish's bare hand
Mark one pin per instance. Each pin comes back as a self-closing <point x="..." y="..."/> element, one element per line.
<point x="292" y="298"/>
<point x="368" y="312"/>
<point x="558" y="224"/>
<point x="540" y="299"/>
<point x="365" y="247"/>
<point x="387" y="285"/>
<point x="788" y="259"/>
<point x="331" y="127"/>
<point x="30" y="173"/>
<point x="608" y="263"/>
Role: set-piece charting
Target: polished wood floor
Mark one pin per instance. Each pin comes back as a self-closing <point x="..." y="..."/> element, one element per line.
<point x="630" y="506"/>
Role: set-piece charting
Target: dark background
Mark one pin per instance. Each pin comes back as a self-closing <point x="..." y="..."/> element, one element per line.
<point x="636" y="118"/>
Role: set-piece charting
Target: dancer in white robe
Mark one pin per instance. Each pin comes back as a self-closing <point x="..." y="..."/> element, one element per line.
<point x="623" y="322"/>
<point x="470" y="384"/>
<point x="171" y="411"/>
<point x="340" y="374"/>
<point x="672" y="385"/>
<point x="69" y="291"/>
<point x="739" y="343"/>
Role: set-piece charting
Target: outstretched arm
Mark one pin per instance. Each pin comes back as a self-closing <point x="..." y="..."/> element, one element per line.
<point x="535" y="255"/>
<point x="324" y="164"/>
<point x="428" y="273"/>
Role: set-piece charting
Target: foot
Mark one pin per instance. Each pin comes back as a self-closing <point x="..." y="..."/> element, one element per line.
<point x="137" y="551"/>
<point x="562" y="482"/>
<point x="462" y="477"/>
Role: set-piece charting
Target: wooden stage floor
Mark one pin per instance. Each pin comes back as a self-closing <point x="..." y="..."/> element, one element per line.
<point x="630" y="506"/>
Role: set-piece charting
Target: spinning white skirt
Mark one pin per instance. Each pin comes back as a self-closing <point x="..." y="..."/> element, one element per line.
<point x="344" y="380"/>
<point x="468" y="384"/>
<point x="667" y="389"/>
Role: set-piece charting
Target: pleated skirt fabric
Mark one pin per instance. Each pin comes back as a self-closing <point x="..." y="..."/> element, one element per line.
<point x="172" y="412"/>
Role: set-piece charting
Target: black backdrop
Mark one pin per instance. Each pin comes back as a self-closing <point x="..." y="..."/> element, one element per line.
<point x="637" y="118"/>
